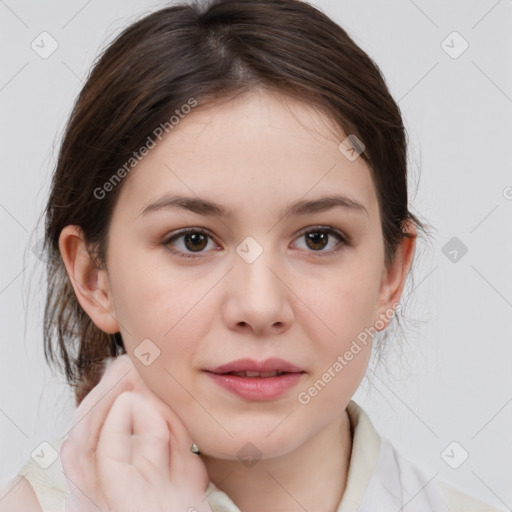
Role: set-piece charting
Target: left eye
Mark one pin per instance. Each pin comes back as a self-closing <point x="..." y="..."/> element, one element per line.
<point x="318" y="239"/>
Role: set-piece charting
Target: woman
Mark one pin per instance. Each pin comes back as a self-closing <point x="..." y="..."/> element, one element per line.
<point x="227" y="230"/>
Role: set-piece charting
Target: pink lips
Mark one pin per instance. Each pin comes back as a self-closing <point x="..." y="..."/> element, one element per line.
<point x="278" y="376"/>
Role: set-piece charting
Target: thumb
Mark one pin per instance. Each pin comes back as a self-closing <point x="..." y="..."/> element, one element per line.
<point x="186" y="469"/>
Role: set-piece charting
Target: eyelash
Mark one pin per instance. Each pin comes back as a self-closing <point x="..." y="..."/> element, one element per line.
<point x="344" y="241"/>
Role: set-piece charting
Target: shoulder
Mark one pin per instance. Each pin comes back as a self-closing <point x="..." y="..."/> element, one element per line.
<point x="439" y="493"/>
<point x="434" y="493"/>
<point x="18" y="494"/>
<point x="458" y="501"/>
<point x="41" y="480"/>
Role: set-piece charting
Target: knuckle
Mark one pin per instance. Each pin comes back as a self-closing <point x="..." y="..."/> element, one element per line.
<point x="68" y="454"/>
<point x="161" y="430"/>
<point x="125" y="397"/>
<point x="65" y="450"/>
<point x="117" y="365"/>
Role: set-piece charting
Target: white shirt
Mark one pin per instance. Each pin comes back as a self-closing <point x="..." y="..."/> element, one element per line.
<point x="379" y="480"/>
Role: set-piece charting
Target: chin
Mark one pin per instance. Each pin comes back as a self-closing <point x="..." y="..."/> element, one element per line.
<point x="253" y="444"/>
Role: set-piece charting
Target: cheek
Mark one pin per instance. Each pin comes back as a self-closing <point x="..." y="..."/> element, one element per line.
<point x="152" y="302"/>
<point x="343" y="304"/>
<point x="342" y="344"/>
<point x="165" y="315"/>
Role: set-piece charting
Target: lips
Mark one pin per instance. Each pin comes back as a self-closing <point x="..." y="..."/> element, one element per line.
<point x="251" y="368"/>
<point x="256" y="374"/>
<point x="257" y="380"/>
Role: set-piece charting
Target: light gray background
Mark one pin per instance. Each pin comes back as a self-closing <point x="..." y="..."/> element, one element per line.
<point x="452" y="381"/>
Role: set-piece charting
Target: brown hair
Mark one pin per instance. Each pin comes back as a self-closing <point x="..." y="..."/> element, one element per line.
<point x="207" y="50"/>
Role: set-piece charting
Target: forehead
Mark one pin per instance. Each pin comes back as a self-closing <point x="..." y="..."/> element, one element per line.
<point x="261" y="146"/>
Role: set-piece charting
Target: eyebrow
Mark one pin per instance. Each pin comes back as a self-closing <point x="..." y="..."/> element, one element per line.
<point x="300" y="207"/>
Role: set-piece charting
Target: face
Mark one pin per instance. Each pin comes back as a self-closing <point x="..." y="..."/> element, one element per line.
<point x="248" y="282"/>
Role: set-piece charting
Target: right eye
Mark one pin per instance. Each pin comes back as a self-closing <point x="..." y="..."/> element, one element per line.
<point x="191" y="240"/>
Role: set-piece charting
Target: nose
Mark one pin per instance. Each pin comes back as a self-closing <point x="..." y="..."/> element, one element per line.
<point x="258" y="299"/>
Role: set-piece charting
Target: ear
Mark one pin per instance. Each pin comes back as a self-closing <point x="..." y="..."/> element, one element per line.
<point x="395" y="275"/>
<point x="91" y="285"/>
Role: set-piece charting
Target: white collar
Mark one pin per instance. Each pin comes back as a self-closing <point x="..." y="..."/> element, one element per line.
<point x="378" y="477"/>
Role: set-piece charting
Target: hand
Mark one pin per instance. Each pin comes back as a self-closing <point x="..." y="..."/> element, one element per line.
<point x="129" y="452"/>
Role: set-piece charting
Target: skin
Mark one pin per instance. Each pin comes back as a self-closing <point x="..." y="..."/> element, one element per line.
<point x="255" y="155"/>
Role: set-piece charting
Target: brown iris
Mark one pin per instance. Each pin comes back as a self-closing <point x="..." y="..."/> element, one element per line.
<point x="195" y="241"/>
<point x="316" y="239"/>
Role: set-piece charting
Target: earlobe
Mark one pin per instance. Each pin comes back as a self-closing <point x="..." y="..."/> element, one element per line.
<point x="394" y="276"/>
<point x="91" y="284"/>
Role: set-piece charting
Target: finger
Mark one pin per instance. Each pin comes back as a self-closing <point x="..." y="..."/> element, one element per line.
<point x="91" y="413"/>
<point x="77" y="451"/>
<point x="151" y="437"/>
<point x="184" y="467"/>
<point x="187" y="470"/>
<point x="81" y="479"/>
<point x="134" y="433"/>
<point x="78" y="502"/>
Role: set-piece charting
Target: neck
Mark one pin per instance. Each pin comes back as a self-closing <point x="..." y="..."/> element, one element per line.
<point x="312" y="477"/>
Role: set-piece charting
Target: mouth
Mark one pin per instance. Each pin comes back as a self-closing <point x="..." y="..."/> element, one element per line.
<point x="258" y="381"/>
<point x="251" y="374"/>
<point x="251" y="368"/>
